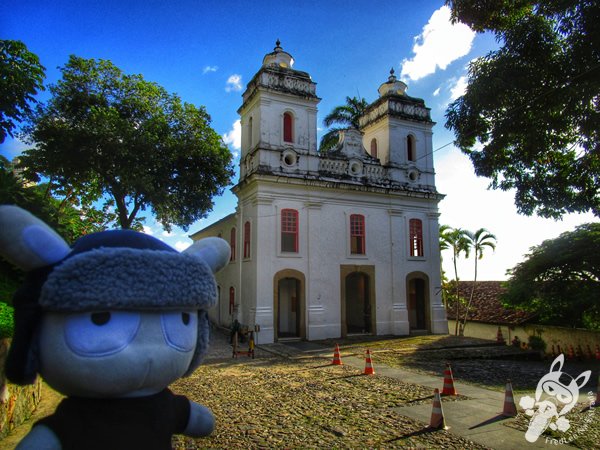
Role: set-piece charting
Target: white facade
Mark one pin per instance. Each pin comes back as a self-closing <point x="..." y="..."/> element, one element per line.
<point x="330" y="249"/>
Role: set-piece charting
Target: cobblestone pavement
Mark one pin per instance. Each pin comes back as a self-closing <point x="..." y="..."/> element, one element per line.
<point x="286" y="398"/>
<point x="305" y="402"/>
<point x="296" y="399"/>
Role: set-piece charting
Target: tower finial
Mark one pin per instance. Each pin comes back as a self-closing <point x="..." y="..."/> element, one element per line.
<point x="392" y="77"/>
<point x="278" y="45"/>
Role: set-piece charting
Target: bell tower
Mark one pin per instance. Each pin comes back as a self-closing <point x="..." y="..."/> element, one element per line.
<point x="278" y="118"/>
<point x="399" y="129"/>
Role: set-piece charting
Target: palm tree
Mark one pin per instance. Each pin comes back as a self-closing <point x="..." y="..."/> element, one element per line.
<point x="345" y="115"/>
<point x="478" y="241"/>
<point x="456" y="239"/>
<point x="443" y="236"/>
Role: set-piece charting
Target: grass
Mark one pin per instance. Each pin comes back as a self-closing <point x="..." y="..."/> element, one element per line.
<point x="6" y="321"/>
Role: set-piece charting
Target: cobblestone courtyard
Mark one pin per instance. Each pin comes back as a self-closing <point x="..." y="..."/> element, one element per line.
<point x="274" y="402"/>
<point x="288" y="397"/>
<point x="302" y="401"/>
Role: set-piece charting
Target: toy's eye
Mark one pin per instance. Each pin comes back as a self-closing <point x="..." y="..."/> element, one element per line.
<point x="180" y="329"/>
<point x="100" y="318"/>
<point x="101" y="333"/>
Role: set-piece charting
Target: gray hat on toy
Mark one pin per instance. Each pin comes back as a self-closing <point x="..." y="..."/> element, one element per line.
<point x="109" y="270"/>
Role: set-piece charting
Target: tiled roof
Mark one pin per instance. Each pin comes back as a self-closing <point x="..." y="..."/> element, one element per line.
<point x="486" y="306"/>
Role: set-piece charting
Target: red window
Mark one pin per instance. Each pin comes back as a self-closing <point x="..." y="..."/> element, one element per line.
<point x="374" y="148"/>
<point x="232" y="244"/>
<point x="288" y="122"/>
<point x="289" y="230"/>
<point x="250" y="132"/>
<point x="357" y="234"/>
<point x="410" y="148"/>
<point x="231" y="299"/>
<point x="416" y="237"/>
<point x="247" y="240"/>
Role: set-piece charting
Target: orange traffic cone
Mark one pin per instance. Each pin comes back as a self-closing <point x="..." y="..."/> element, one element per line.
<point x="597" y="351"/>
<point x="437" y="414"/>
<point x="448" y="382"/>
<point x="499" y="337"/>
<point x="510" y="409"/>
<point x="337" y="360"/>
<point x="369" y="364"/>
<point x="570" y="353"/>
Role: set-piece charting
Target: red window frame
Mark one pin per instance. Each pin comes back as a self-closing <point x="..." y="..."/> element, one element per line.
<point x="231" y="299"/>
<point x="288" y="127"/>
<point x="232" y="244"/>
<point x="410" y="148"/>
<point x="357" y="234"/>
<point x="247" y="239"/>
<point x="374" y="148"/>
<point x="289" y="230"/>
<point x="416" y="237"/>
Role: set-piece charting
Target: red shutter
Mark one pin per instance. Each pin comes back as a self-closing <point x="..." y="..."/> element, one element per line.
<point x="357" y="234"/>
<point x="287" y="128"/>
<point x="232" y="244"/>
<point x="289" y="230"/>
<point x="247" y="240"/>
<point x="416" y="237"/>
<point x="374" y="148"/>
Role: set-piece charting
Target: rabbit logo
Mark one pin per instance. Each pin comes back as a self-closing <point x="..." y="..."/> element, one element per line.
<point x="556" y="394"/>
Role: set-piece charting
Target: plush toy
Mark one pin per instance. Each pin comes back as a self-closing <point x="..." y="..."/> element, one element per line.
<point x="110" y="323"/>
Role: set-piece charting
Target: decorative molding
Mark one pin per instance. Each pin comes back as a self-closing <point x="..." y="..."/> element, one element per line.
<point x="396" y="212"/>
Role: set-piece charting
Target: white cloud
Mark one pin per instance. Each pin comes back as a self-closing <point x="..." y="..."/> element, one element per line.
<point x="166" y="233"/>
<point x="208" y="69"/>
<point x="470" y="205"/>
<point x="440" y="43"/>
<point x="436" y="92"/>
<point x="234" y="136"/>
<point x="459" y="88"/>
<point x="182" y="245"/>
<point x="148" y="230"/>
<point x="234" y="83"/>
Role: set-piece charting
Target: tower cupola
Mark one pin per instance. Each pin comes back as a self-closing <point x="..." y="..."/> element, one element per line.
<point x="392" y="86"/>
<point x="278" y="57"/>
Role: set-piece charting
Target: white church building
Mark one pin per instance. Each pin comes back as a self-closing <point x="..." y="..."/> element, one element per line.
<point x="335" y="244"/>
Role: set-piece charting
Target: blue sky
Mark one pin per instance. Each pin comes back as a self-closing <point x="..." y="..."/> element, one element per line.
<point x="206" y="51"/>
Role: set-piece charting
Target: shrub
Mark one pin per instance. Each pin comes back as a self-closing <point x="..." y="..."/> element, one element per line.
<point x="536" y="343"/>
<point x="6" y="321"/>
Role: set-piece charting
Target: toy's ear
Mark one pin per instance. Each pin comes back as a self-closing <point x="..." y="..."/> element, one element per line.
<point x="213" y="250"/>
<point x="28" y="242"/>
<point x="583" y="378"/>
<point x="560" y="360"/>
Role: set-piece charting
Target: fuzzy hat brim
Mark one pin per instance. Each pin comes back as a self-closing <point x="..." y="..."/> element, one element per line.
<point x="127" y="278"/>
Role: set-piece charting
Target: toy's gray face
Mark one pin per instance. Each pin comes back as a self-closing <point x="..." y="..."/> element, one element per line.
<point x="116" y="353"/>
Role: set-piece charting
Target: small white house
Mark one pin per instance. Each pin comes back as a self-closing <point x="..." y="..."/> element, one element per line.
<point x="328" y="245"/>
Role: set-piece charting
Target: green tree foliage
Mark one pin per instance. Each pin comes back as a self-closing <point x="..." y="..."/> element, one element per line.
<point x="21" y="76"/>
<point x="108" y="134"/>
<point x="530" y="117"/>
<point x="560" y="279"/>
<point x="67" y="216"/>
<point x="345" y="116"/>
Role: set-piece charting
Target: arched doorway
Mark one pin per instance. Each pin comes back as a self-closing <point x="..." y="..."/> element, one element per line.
<point x="358" y="300"/>
<point x="289" y="305"/>
<point x="418" y="302"/>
